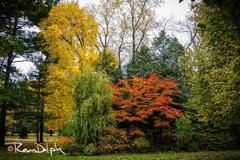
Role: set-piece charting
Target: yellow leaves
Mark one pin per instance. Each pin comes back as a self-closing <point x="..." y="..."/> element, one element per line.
<point x="70" y="34"/>
<point x="10" y="119"/>
<point x="113" y="60"/>
<point x="70" y="16"/>
<point x="117" y="3"/>
<point x="63" y="141"/>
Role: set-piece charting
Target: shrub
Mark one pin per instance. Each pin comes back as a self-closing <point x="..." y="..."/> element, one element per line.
<point x="136" y="133"/>
<point x="113" y="141"/>
<point x="217" y="139"/>
<point x="185" y="135"/>
<point x="61" y="141"/>
<point x="73" y="149"/>
<point x="89" y="149"/>
<point x="148" y="104"/>
<point x="141" y="144"/>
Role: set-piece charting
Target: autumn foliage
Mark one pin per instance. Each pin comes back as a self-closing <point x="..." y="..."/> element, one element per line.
<point x="149" y="101"/>
<point x="70" y="34"/>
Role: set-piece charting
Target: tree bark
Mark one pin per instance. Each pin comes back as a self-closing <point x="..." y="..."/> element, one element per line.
<point x="41" y="127"/>
<point x="10" y="59"/>
<point x="2" y="125"/>
<point x="37" y="128"/>
<point x="4" y="106"/>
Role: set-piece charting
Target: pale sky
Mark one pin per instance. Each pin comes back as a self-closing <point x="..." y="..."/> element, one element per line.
<point x="172" y="8"/>
<point x="169" y="9"/>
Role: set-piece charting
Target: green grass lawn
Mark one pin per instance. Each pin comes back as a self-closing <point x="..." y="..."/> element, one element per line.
<point x="207" y="155"/>
<point x="32" y="136"/>
<point x="210" y="155"/>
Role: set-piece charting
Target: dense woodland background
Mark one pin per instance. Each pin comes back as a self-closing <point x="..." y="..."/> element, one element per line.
<point x="105" y="86"/>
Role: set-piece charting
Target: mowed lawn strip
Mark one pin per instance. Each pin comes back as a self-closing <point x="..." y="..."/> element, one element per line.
<point x="208" y="155"/>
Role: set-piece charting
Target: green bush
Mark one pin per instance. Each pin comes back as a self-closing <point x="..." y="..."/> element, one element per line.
<point x="73" y="149"/>
<point x="89" y="150"/>
<point x="186" y="136"/>
<point x="141" y="144"/>
<point x="217" y="140"/>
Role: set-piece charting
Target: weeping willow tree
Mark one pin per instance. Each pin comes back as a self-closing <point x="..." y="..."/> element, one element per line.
<point x="93" y="112"/>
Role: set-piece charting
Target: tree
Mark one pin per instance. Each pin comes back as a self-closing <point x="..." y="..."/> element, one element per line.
<point x="125" y="25"/>
<point x="105" y="14"/>
<point x="25" y="108"/>
<point x="140" y="20"/>
<point x="144" y="64"/>
<point x="163" y="56"/>
<point x="167" y="51"/>
<point x="93" y="112"/>
<point x="214" y="81"/>
<point x="229" y="8"/>
<point x="186" y="136"/>
<point x="15" y="16"/>
<point x="147" y="104"/>
<point x="70" y="37"/>
<point x="112" y="28"/>
<point x="22" y="106"/>
<point x="37" y="84"/>
<point x="108" y="63"/>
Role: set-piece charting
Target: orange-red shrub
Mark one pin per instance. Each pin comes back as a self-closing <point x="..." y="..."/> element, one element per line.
<point x="146" y="103"/>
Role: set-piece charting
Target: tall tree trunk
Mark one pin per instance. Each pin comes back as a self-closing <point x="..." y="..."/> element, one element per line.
<point x="2" y="125"/>
<point x="39" y="115"/>
<point x="133" y="46"/>
<point x="41" y="127"/>
<point x="119" y="65"/>
<point x="4" y="106"/>
<point x="10" y="59"/>
<point x="37" y="127"/>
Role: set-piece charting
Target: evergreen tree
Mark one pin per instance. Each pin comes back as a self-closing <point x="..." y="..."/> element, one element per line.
<point x="167" y="51"/>
<point x="37" y="84"/>
<point x="15" y="17"/>
<point x="143" y="65"/>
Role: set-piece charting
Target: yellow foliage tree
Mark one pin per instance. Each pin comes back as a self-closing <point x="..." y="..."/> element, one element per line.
<point x="70" y="36"/>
